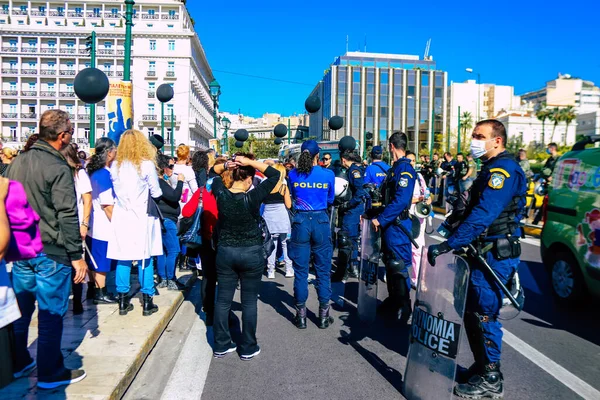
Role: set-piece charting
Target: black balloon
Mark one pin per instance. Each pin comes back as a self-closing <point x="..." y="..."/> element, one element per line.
<point x="239" y="144"/>
<point x="164" y="93"/>
<point x="347" y="143"/>
<point x="91" y="85"/>
<point x="241" y="135"/>
<point x="336" y="122"/>
<point x="280" y="130"/>
<point x="312" y="104"/>
<point x="278" y="141"/>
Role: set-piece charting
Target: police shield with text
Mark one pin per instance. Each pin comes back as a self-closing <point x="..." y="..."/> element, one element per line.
<point x="489" y="225"/>
<point x="397" y="192"/>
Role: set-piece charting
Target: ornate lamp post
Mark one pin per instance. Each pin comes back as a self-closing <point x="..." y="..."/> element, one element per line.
<point x="215" y="92"/>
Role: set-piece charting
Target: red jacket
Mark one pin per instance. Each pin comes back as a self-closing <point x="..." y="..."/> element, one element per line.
<point x="209" y="211"/>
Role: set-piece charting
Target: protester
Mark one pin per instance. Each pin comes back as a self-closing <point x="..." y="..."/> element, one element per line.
<point x="170" y="210"/>
<point x="327" y="161"/>
<point x="190" y="185"/>
<point x="524" y="163"/>
<point x="202" y="162"/>
<point x="83" y="192"/>
<point x="135" y="223"/>
<point x="240" y="252"/>
<point x="449" y="177"/>
<point x="276" y="215"/>
<point x="100" y="229"/>
<point x="30" y="141"/>
<point x="82" y="157"/>
<point x="47" y="277"/>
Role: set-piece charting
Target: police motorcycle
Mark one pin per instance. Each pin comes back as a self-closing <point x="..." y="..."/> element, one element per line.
<point x="437" y="322"/>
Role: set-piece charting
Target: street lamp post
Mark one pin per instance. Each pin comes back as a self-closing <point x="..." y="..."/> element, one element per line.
<point x="226" y="124"/>
<point x="172" y="130"/>
<point x="215" y="92"/>
<point x="128" y="24"/>
<point x="470" y="70"/>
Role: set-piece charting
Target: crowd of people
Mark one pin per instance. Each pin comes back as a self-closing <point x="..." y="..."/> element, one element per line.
<point x="130" y="206"/>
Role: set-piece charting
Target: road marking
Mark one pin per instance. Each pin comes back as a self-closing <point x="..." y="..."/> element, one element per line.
<point x="559" y="373"/>
<point x="191" y="370"/>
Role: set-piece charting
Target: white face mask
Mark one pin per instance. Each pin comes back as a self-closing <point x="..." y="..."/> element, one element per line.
<point x="478" y="148"/>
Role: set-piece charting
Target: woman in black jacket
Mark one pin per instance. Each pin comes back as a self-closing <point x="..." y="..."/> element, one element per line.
<point x="240" y="252"/>
<point x="170" y="210"/>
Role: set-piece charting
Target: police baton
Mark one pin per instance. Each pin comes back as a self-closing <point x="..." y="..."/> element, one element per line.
<point x="472" y="251"/>
<point x="408" y="234"/>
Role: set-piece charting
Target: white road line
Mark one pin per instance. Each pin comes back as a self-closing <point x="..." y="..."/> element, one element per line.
<point x="559" y="373"/>
<point x="191" y="370"/>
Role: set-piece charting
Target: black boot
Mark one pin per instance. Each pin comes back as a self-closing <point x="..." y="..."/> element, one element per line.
<point x="464" y="374"/>
<point x="102" y="297"/>
<point x="300" y="318"/>
<point x="91" y="293"/>
<point x="353" y="272"/>
<point x="124" y="304"/>
<point x="489" y="384"/>
<point x="149" y="306"/>
<point x="324" y="319"/>
<point x="405" y="314"/>
<point x="181" y="262"/>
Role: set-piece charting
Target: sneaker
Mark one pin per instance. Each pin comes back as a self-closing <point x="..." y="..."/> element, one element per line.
<point x="271" y="274"/>
<point x="25" y="371"/>
<point x="66" y="378"/>
<point x="221" y="354"/>
<point x="248" y="357"/>
<point x="163" y="284"/>
<point x="174" y="285"/>
<point x="289" y="273"/>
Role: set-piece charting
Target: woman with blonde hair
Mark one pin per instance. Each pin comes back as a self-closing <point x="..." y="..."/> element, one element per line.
<point x="136" y="227"/>
<point x="7" y="155"/>
<point x="277" y="204"/>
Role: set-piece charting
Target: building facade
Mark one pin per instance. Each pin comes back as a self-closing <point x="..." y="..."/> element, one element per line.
<point x="588" y="123"/>
<point x="43" y="46"/>
<point x="380" y="94"/>
<point x="482" y="101"/>
<point x="262" y="128"/>
<point x="566" y="91"/>
<point x="525" y="128"/>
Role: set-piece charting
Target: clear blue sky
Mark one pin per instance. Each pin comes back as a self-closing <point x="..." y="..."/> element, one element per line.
<point x="519" y="43"/>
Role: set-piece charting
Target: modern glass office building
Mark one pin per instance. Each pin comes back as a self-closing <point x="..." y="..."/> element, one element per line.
<point x="381" y="94"/>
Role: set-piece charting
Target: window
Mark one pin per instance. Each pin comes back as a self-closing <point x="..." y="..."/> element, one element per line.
<point x="13" y="131"/>
<point x="86" y="132"/>
<point x="2" y="21"/>
<point x="24" y="8"/>
<point x="69" y="87"/>
<point x="78" y="10"/>
<point x="70" y="44"/>
<point x="5" y="7"/>
<point x="32" y="86"/>
<point x="88" y="64"/>
<point x="96" y="11"/>
<point x="151" y="12"/>
<point x="33" y="43"/>
<point x="108" y="45"/>
<point x="70" y="65"/>
<point x="172" y="13"/>
<point x="152" y="66"/>
<point x="31" y="108"/>
<point x="149" y="25"/>
<point x="171" y="45"/>
<point x="169" y="109"/>
<point x="114" y="11"/>
<point x="51" y="86"/>
<point x="38" y="22"/>
<point x="107" y="66"/>
<point x="169" y="133"/>
<point x="21" y="22"/>
<point x="13" y="43"/>
<point x="13" y="108"/>
<point x="13" y="64"/>
<point x="153" y="45"/>
<point x="170" y="26"/>
<point x="32" y="65"/>
<point x="151" y="86"/>
<point x="13" y="85"/>
<point x="151" y="109"/>
<point x="94" y="24"/>
<point x="69" y="108"/>
<point x="171" y="66"/>
<point x="51" y="43"/>
<point x="113" y="24"/>
<point x="61" y="10"/>
<point x="150" y="131"/>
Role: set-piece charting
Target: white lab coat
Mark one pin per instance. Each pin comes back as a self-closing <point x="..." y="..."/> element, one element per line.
<point x="136" y="235"/>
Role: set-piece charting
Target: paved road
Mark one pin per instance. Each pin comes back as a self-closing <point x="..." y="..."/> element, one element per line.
<point x="549" y="352"/>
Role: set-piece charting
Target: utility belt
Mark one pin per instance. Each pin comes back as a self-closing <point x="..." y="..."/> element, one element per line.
<point x="404" y="215"/>
<point x="502" y="248"/>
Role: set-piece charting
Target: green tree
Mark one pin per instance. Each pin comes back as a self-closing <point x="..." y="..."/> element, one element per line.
<point x="568" y="115"/>
<point x="543" y="114"/>
<point x="556" y="116"/>
<point x="466" y="124"/>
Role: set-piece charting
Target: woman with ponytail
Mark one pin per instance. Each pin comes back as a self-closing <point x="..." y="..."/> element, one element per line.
<point x="313" y="191"/>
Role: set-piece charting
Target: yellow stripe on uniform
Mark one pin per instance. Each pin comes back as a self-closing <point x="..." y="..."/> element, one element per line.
<point x="407" y="173"/>
<point x="503" y="172"/>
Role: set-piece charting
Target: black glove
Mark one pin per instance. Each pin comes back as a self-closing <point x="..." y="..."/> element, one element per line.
<point x="437" y="250"/>
<point x="345" y="206"/>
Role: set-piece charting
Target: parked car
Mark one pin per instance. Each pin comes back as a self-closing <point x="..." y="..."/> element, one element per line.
<point x="570" y="243"/>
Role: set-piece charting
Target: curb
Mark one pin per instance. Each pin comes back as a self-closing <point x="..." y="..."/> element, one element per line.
<point x="532" y="231"/>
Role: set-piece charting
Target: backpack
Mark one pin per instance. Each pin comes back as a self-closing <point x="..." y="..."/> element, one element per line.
<point x="268" y="243"/>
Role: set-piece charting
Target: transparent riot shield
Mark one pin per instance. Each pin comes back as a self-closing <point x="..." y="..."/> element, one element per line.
<point x="437" y="325"/>
<point x="370" y="255"/>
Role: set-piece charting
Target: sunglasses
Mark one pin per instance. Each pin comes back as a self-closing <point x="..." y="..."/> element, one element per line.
<point x="326" y="159"/>
<point x="171" y="166"/>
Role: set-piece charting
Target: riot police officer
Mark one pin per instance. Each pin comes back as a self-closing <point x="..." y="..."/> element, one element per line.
<point x="377" y="171"/>
<point x="490" y="221"/>
<point x="312" y="189"/>
<point x="350" y="213"/>
<point x="396" y="225"/>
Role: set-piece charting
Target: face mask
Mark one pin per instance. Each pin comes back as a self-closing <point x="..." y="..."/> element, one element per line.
<point x="548" y="151"/>
<point x="478" y="148"/>
<point x="166" y="177"/>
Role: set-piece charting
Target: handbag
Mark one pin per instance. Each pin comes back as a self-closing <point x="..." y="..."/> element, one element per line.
<point x="189" y="230"/>
<point x="268" y="243"/>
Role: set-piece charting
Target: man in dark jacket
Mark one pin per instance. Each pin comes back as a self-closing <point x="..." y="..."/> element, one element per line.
<point x="49" y="184"/>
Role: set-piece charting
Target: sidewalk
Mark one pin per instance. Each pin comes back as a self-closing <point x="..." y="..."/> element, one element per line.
<point x="111" y="348"/>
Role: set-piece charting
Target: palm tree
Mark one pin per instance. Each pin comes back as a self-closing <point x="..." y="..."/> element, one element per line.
<point x="466" y="123"/>
<point x="543" y="114"/>
<point x="568" y="115"/>
<point x="555" y="116"/>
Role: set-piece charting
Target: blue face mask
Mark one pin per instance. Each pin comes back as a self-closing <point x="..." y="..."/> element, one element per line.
<point x="166" y="177"/>
<point x="548" y="151"/>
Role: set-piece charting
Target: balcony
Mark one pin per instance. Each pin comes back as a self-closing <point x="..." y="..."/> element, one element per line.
<point x="149" y="117"/>
<point x="151" y="95"/>
<point x="71" y="116"/>
<point x="19" y="12"/>
<point x="29" y="115"/>
<point x="48" y="72"/>
<point x="82" y="141"/>
<point x="92" y="14"/>
<point x="84" y="51"/>
<point x="170" y="74"/>
<point x="149" y="16"/>
<point x="151" y="74"/>
<point x="28" y="93"/>
<point x="11" y="71"/>
<point x="67" y="94"/>
<point x="83" y="116"/>
<point x="68" y="50"/>
<point x="109" y="73"/>
<point x="100" y="116"/>
<point x="29" y="71"/>
<point x="67" y="72"/>
<point x="10" y="115"/>
<point x="106" y="51"/>
<point x="10" y="49"/>
<point x="29" y="50"/>
<point x="75" y="14"/>
<point x="3" y="12"/>
<point x="168" y="118"/>
<point x="110" y="15"/>
<point x="170" y="16"/>
<point x="120" y="52"/>
<point x="10" y="93"/>
<point x="36" y="13"/>
<point x="48" y="93"/>
<point x="54" y="13"/>
<point x="48" y="50"/>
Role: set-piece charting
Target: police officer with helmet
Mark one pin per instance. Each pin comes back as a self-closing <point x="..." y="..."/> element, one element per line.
<point x="491" y="224"/>
<point x="397" y="192"/>
<point x="377" y="171"/>
<point x="312" y="189"/>
<point x="350" y="213"/>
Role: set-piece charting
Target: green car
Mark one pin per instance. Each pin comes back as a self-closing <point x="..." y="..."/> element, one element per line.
<point x="570" y="243"/>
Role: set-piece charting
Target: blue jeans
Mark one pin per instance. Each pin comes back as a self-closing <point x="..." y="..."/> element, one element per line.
<point x="50" y="283"/>
<point x="311" y="233"/>
<point x="146" y="276"/>
<point x="166" y="262"/>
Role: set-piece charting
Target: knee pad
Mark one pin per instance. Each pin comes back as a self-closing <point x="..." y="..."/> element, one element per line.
<point x="344" y="241"/>
<point x="396" y="267"/>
